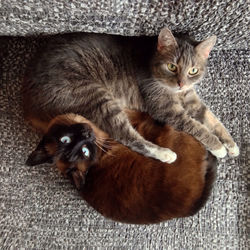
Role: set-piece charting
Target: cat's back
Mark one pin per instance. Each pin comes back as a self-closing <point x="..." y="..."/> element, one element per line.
<point x="78" y="53"/>
<point x="93" y="51"/>
<point x="129" y="187"/>
<point x="77" y="64"/>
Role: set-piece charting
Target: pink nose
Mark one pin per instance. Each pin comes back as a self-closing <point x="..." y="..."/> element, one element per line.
<point x="181" y="84"/>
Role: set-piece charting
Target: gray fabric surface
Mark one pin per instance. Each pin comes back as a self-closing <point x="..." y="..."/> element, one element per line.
<point x="40" y="209"/>
<point x="228" y="19"/>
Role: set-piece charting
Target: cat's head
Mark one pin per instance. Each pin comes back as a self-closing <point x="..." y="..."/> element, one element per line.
<point x="180" y="62"/>
<point x="70" y="146"/>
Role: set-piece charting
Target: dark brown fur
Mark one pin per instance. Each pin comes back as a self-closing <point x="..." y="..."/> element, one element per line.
<point x="129" y="187"/>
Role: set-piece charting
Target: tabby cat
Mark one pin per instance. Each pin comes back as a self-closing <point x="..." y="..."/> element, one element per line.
<point x="98" y="75"/>
<point x="122" y="184"/>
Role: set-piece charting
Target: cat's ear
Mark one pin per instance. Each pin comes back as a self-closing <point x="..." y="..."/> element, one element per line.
<point x="39" y="156"/>
<point x="166" y="40"/>
<point x="204" y="47"/>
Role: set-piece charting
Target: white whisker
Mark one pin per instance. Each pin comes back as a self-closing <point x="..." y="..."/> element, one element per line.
<point x="103" y="144"/>
<point x="99" y="146"/>
<point x="104" y="139"/>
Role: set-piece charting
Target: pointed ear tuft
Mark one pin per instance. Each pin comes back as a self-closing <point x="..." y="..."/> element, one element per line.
<point x="166" y="40"/>
<point x="205" y="47"/>
<point x="39" y="156"/>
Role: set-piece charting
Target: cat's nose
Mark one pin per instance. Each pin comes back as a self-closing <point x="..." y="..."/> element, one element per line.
<point x="180" y="83"/>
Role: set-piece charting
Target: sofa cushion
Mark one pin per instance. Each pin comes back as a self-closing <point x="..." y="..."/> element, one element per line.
<point x="226" y="19"/>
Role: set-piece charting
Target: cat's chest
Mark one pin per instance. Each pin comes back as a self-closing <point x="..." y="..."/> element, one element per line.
<point x="185" y="97"/>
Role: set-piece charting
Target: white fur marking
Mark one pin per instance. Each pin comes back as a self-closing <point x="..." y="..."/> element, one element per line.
<point x="164" y="155"/>
<point x="233" y="151"/>
<point x="219" y="153"/>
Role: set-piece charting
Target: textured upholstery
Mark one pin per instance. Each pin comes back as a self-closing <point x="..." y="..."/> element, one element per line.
<point x="39" y="209"/>
<point x="226" y="19"/>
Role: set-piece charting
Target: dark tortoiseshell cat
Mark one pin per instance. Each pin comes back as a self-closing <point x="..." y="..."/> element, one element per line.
<point x="122" y="184"/>
<point x="98" y="75"/>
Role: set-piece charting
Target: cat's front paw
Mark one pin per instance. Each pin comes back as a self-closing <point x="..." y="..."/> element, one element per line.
<point x="219" y="153"/>
<point x="233" y="151"/>
<point x="166" y="155"/>
<point x="162" y="154"/>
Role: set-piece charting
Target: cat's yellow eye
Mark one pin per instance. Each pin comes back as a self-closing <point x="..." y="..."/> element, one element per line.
<point x="193" y="71"/>
<point x="172" y="67"/>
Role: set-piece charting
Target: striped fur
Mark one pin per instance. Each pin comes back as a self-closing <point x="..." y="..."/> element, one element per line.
<point x="98" y="75"/>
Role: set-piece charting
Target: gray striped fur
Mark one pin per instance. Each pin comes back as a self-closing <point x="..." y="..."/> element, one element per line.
<point x="99" y="75"/>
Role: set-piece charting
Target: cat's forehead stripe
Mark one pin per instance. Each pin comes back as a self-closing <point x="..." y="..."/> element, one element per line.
<point x="186" y="55"/>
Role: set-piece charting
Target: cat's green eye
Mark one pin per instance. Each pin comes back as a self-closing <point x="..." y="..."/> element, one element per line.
<point x="193" y="71"/>
<point x="172" y="67"/>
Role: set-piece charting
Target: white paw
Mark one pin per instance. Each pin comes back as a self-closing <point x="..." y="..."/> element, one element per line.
<point x="233" y="151"/>
<point x="164" y="154"/>
<point x="219" y="153"/>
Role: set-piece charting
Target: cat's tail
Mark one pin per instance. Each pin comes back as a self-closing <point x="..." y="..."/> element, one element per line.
<point x="210" y="177"/>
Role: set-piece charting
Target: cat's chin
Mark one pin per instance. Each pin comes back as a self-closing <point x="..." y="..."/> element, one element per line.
<point x="177" y="89"/>
<point x="173" y="89"/>
<point x="180" y="90"/>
